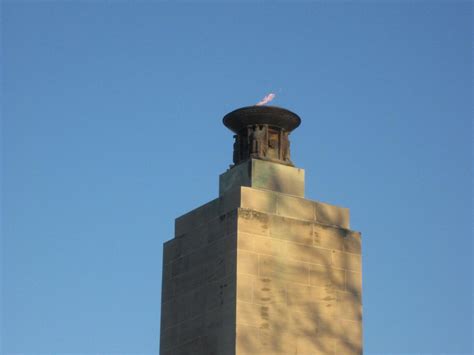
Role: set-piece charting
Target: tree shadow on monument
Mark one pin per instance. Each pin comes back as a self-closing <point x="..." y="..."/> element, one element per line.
<point x="320" y="316"/>
<point x="303" y="325"/>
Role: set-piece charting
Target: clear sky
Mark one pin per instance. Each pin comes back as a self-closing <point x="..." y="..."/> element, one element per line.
<point x="112" y="128"/>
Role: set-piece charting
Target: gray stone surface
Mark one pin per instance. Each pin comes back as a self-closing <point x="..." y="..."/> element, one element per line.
<point x="264" y="175"/>
<point x="199" y="287"/>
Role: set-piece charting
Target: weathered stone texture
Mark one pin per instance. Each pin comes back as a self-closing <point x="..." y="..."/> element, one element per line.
<point x="199" y="286"/>
<point x="298" y="282"/>
<point x="284" y="205"/>
<point x="261" y="272"/>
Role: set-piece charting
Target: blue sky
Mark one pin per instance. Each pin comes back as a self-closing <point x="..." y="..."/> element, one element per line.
<point x="111" y="128"/>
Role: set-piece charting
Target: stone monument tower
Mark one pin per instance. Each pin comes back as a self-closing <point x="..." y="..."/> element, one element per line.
<point x="261" y="269"/>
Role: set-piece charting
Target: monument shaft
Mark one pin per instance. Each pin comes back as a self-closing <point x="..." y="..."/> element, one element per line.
<point x="262" y="270"/>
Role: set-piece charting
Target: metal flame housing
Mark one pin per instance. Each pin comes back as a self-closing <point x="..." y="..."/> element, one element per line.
<point x="262" y="133"/>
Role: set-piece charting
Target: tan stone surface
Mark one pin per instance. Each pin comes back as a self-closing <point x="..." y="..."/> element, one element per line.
<point x="274" y="202"/>
<point x="277" y="177"/>
<point x="269" y="291"/>
<point x="324" y="276"/>
<point x="290" y="229"/>
<point x="246" y="241"/>
<point x="252" y="340"/>
<point x="304" y="298"/>
<point x="259" y="200"/>
<point x="245" y="287"/>
<point x="328" y="237"/>
<point x="262" y="272"/>
<point x="349" y="307"/>
<point x="332" y="215"/>
<point x="352" y="242"/>
<point x="250" y="221"/>
<point x="247" y="340"/>
<point x="294" y="207"/>
<point x="346" y="261"/>
<point x="247" y="263"/>
<point x="269" y="246"/>
<point x="306" y="287"/>
<point x="282" y="268"/>
<point x="285" y="343"/>
<point x="351" y="341"/>
<point x="309" y="254"/>
<point x="315" y="345"/>
<point x="354" y="282"/>
<point x="302" y="324"/>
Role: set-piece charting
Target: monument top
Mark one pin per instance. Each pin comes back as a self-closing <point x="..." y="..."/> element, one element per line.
<point x="262" y="133"/>
<point x="271" y="115"/>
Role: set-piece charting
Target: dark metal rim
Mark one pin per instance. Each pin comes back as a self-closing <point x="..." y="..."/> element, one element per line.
<point x="271" y="115"/>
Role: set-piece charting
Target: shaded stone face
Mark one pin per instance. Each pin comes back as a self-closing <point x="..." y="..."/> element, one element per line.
<point x="264" y="175"/>
<point x="262" y="132"/>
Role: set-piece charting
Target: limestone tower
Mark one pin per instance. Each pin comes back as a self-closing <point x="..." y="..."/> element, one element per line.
<point x="261" y="269"/>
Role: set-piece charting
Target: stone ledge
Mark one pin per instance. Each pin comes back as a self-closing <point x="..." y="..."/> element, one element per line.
<point x="295" y="207"/>
<point x="270" y="202"/>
